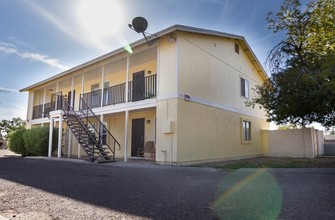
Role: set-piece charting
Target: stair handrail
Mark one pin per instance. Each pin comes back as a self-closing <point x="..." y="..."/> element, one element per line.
<point x="82" y="125"/>
<point x="101" y="125"/>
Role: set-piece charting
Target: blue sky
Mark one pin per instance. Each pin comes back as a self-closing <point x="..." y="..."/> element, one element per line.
<point x="40" y="38"/>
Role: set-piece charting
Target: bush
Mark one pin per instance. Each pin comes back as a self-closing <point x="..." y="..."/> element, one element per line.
<point x="16" y="142"/>
<point x="36" y="141"/>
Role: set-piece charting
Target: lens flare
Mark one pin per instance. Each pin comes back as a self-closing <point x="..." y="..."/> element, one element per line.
<point x="248" y="194"/>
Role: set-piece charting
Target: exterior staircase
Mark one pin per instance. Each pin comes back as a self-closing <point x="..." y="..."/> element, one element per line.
<point x="98" y="143"/>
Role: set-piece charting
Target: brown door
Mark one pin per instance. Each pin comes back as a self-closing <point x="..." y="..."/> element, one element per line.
<point x="137" y="135"/>
<point x="138" y="86"/>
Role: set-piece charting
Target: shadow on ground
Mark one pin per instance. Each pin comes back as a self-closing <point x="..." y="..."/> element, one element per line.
<point x="151" y="193"/>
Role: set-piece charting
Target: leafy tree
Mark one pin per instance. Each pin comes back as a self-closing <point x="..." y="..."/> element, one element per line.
<point x="12" y="125"/>
<point x="301" y="88"/>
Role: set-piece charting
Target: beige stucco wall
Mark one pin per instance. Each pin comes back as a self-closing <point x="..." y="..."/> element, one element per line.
<point x="206" y="133"/>
<point x="166" y="146"/>
<point x="167" y="68"/>
<point x="292" y="143"/>
<point x="209" y="70"/>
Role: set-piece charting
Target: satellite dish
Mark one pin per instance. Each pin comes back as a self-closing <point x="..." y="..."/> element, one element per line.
<point x="139" y="24"/>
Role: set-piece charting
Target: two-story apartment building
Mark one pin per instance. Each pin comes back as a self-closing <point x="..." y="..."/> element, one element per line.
<point x="185" y="92"/>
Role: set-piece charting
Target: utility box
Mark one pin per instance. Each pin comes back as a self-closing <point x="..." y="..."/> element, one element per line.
<point x="167" y="127"/>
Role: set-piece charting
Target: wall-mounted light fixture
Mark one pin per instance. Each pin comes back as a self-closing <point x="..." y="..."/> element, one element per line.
<point x="171" y="38"/>
<point x="148" y="122"/>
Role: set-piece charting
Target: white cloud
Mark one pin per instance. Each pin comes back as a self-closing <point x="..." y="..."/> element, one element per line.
<point x="11" y="49"/>
<point x="2" y="89"/>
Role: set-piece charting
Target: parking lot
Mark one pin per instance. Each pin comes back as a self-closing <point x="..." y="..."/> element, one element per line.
<point x="52" y="189"/>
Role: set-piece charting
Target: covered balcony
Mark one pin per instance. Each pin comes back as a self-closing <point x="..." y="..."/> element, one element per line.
<point x="138" y="90"/>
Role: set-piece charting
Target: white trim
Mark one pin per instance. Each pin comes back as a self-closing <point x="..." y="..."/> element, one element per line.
<point x="208" y="103"/>
<point x="168" y="96"/>
<point x="39" y="121"/>
<point x="130" y="106"/>
<point x="125" y="153"/>
<point x="221" y="106"/>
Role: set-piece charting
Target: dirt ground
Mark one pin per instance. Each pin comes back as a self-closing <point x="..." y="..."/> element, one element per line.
<point x="7" y="152"/>
<point x="274" y="162"/>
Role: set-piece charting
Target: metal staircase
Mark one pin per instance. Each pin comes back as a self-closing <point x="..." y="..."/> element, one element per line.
<point x="98" y="143"/>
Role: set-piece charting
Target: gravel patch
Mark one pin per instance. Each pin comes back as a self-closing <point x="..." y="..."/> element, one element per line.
<point x="20" y="202"/>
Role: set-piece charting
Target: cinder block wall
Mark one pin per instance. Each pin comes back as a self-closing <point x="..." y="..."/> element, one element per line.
<point x="305" y="143"/>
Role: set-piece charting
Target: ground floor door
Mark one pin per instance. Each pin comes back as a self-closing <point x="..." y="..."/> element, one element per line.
<point x="137" y="135"/>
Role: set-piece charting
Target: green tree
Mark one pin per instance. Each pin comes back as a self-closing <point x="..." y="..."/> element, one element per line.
<point x="12" y="125"/>
<point x="301" y="88"/>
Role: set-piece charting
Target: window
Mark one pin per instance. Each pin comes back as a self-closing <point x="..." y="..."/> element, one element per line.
<point x="94" y="87"/>
<point x="246" y="131"/>
<point x="244" y="88"/>
<point x="237" y="48"/>
<point x="106" y="92"/>
<point x="95" y="95"/>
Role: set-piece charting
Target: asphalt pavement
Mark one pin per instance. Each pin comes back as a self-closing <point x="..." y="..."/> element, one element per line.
<point x="163" y="192"/>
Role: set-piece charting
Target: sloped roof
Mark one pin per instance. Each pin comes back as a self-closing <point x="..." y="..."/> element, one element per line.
<point x="245" y="46"/>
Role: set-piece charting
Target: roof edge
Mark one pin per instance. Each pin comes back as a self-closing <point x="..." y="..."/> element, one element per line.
<point x="176" y="27"/>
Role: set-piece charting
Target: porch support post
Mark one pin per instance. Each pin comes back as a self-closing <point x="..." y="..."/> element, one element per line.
<point x="100" y="127"/>
<point x="72" y="98"/>
<point x="50" y="136"/>
<point x="126" y="136"/>
<point x="102" y="85"/>
<point x="60" y="134"/>
<point x="82" y="92"/>
<point x="56" y="101"/>
<point x="127" y="79"/>
<point x="43" y="106"/>
<point x="69" y="145"/>
<point x="79" y="146"/>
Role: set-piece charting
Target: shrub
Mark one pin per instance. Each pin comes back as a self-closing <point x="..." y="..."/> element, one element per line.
<point x="36" y="140"/>
<point x="16" y="142"/>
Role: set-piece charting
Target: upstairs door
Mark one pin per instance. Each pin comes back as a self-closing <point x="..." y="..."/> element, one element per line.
<point x="137" y="136"/>
<point x="138" y="86"/>
<point x="70" y="99"/>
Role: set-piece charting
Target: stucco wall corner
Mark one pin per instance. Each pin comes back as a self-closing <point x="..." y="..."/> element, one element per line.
<point x="265" y="142"/>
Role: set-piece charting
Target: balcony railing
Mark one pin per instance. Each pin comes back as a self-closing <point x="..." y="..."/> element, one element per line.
<point x="139" y="89"/>
<point x="115" y="94"/>
<point x="37" y="111"/>
<point x="92" y="99"/>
